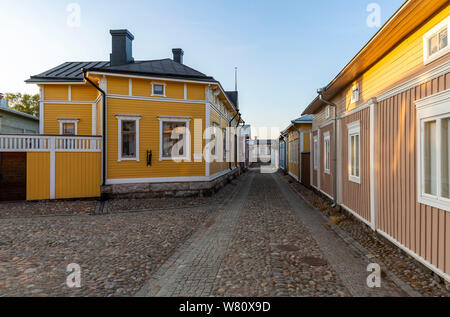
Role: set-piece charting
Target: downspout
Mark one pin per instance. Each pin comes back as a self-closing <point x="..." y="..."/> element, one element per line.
<point x="299" y="158"/>
<point x="236" y="140"/>
<point x="103" y="124"/>
<point x="229" y="125"/>
<point x="320" y="92"/>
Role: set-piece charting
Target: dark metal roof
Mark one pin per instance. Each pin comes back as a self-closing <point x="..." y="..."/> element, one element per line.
<point x="234" y="97"/>
<point x="72" y="71"/>
<point x="69" y="71"/>
<point x="307" y="118"/>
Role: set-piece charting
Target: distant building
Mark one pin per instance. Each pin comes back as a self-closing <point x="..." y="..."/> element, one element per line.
<point x="16" y="122"/>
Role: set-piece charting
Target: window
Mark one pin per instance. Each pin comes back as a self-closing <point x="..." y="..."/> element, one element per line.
<point x="434" y="150"/>
<point x="355" y="93"/>
<point x="128" y="137"/>
<point x="435" y="42"/>
<point x="68" y="126"/>
<point x="158" y="89"/>
<point x="316" y="153"/>
<point x="224" y="136"/>
<point x="174" y="138"/>
<point x="354" y="153"/>
<point x="326" y="151"/>
<point x="68" y="129"/>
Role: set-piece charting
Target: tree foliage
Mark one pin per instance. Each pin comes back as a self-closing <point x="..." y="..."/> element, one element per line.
<point x="24" y="103"/>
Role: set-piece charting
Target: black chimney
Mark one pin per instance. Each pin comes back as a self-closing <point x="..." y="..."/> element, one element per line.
<point x="122" y="47"/>
<point x="178" y="55"/>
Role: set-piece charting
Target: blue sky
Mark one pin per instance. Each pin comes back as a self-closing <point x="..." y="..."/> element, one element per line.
<point x="284" y="50"/>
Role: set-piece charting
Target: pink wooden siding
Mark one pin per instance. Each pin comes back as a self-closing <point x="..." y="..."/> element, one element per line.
<point x="357" y="196"/>
<point x="423" y="229"/>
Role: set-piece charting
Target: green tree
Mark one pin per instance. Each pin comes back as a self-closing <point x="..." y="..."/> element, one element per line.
<point x="24" y="103"/>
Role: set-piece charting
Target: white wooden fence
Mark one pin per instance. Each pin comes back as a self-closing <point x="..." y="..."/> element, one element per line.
<point x="40" y="143"/>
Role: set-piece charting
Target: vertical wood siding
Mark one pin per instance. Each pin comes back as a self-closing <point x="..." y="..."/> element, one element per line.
<point x="38" y="175"/>
<point x="423" y="229"/>
<point x="313" y="157"/>
<point x="77" y="175"/>
<point x="357" y="196"/>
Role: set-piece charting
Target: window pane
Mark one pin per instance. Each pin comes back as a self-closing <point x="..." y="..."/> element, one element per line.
<point x="128" y="126"/>
<point x="433" y="45"/>
<point x="129" y="145"/>
<point x="429" y="158"/>
<point x="173" y="133"/>
<point x="68" y="128"/>
<point x="445" y="162"/>
<point x="443" y="39"/>
<point x="158" y="89"/>
<point x="357" y="155"/>
<point x="352" y="155"/>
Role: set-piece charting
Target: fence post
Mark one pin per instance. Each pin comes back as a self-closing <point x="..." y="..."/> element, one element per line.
<point x="52" y="148"/>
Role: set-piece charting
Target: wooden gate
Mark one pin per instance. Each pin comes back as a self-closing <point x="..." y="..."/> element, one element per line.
<point x="13" y="176"/>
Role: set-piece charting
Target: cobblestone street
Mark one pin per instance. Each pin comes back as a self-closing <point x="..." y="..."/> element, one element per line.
<point x="266" y="242"/>
<point x="256" y="237"/>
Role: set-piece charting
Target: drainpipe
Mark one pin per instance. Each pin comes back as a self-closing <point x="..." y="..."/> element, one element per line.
<point x="321" y="92"/>
<point x="229" y="125"/>
<point x="103" y="125"/>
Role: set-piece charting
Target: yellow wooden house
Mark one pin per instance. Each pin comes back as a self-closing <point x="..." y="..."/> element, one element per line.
<point x="297" y="139"/>
<point x="126" y="127"/>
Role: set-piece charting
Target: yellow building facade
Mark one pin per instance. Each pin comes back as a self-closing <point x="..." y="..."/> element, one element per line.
<point x="163" y="127"/>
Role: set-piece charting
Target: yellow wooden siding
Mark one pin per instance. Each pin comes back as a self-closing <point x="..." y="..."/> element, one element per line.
<point x="217" y="167"/>
<point x="99" y="117"/>
<point x="77" y="175"/>
<point x="118" y="85"/>
<point x="150" y="138"/>
<point x="56" y="92"/>
<point x="84" y="93"/>
<point x="53" y="112"/>
<point x="38" y="175"/>
<point x="196" y="92"/>
<point x="402" y="61"/>
<point x="175" y="90"/>
<point x="142" y="88"/>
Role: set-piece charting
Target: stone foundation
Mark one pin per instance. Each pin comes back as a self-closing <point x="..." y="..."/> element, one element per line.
<point x="156" y="190"/>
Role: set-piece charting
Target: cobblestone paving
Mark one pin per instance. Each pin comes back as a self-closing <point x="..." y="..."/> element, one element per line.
<point x="117" y="252"/>
<point x="191" y="271"/>
<point x="269" y="252"/>
<point x="397" y="262"/>
<point x="46" y="208"/>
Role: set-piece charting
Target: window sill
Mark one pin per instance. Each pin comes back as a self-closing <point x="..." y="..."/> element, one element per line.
<point x="128" y="160"/>
<point x="161" y="159"/>
<point x="442" y="204"/>
<point x="356" y="180"/>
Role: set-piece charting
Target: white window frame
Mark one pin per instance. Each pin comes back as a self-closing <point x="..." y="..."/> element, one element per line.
<point x="120" y="118"/>
<point x="187" y="150"/>
<point x="428" y="59"/>
<point x="326" y="154"/>
<point x="159" y="84"/>
<point x="316" y="152"/>
<point x="70" y="121"/>
<point x="432" y="108"/>
<point x="355" y="87"/>
<point x="354" y="129"/>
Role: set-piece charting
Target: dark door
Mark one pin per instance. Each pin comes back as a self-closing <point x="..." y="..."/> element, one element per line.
<point x="13" y="176"/>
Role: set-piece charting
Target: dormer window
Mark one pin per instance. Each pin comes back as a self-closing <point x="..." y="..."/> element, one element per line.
<point x="158" y="89"/>
<point x="435" y="42"/>
<point x="355" y="93"/>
